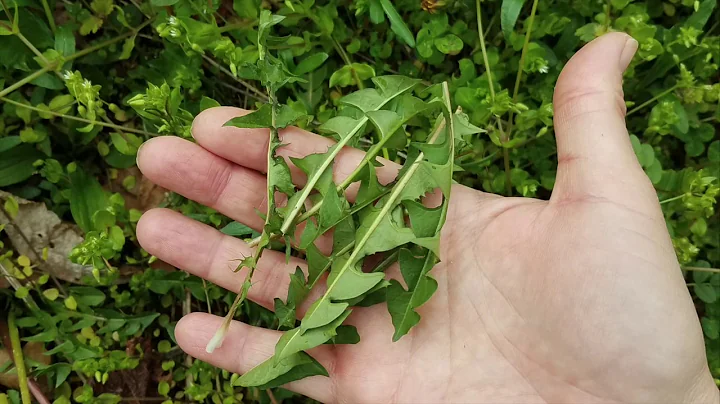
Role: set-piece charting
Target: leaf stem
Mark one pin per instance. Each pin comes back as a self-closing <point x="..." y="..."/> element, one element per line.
<point x="349" y="180"/>
<point x="516" y="90"/>
<point x="521" y="65"/>
<point x="607" y="16"/>
<point x="187" y="308"/>
<point x="75" y="118"/>
<point x="237" y="25"/>
<point x="653" y="99"/>
<point x="484" y="50"/>
<point x="25" y="80"/>
<point x="505" y="137"/>
<point x="109" y="42"/>
<point x="259" y="95"/>
<point x="387" y="261"/>
<point x="347" y="61"/>
<point x="74" y="56"/>
<point x="18" y="359"/>
<point x="32" y="47"/>
<point x="674" y="198"/>
<point x="701" y="269"/>
<point x="289" y="219"/>
<point x="360" y="85"/>
<point x="49" y="15"/>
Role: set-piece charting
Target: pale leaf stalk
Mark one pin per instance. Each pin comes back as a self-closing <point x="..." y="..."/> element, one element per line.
<point x="217" y="340"/>
<point x="219" y="337"/>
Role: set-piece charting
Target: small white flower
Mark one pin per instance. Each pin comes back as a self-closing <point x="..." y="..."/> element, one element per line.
<point x="543" y="69"/>
<point x="172" y="20"/>
<point x="67" y="75"/>
<point x="87" y="83"/>
<point x="174" y="32"/>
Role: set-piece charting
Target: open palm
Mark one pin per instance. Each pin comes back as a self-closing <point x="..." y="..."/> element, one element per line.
<point x="576" y="299"/>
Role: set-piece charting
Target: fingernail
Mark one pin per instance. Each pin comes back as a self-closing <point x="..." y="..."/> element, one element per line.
<point x="628" y="52"/>
<point x="137" y="156"/>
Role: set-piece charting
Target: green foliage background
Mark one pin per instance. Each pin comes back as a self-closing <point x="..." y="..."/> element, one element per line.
<point x="83" y="84"/>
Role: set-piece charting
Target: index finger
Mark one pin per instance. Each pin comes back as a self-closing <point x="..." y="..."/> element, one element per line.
<point x="248" y="147"/>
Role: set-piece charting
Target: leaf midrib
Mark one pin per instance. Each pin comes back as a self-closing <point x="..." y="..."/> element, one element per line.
<point x="430" y="255"/>
<point x="316" y="177"/>
<point x="397" y="190"/>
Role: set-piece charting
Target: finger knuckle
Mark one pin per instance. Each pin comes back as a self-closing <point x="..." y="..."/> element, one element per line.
<point x="574" y="103"/>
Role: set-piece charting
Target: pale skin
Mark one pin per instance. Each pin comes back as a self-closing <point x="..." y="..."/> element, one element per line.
<point x="578" y="299"/>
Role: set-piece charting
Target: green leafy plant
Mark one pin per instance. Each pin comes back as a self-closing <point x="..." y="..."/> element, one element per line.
<point x="446" y="90"/>
<point x="374" y="223"/>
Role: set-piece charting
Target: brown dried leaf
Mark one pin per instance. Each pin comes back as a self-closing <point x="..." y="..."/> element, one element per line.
<point x="35" y="228"/>
<point x="31" y="350"/>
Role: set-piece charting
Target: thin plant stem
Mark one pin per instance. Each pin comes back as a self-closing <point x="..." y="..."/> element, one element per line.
<point x="493" y="20"/>
<point x="30" y="303"/>
<point x="701" y="269"/>
<point x="32" y="47"/>
<point x="109" y="42"/>
<point x="238" y="90"/>
<point x="25" y="80"/>
<point x="7" y="10"/>
<point x="347" y="61"/>
<point x="259" y="94"/>
<point x="653" y="99"/>
<point x="674" y="198"/>
<point x="484" y="51"/>
<point x="219" y="336"/>
<point x="74" y="56"/>
<point x="75" y="118"/>
<point x="516" y="90"/>
<point x="505" y="135"/>
<point x="17" y="285"/>
<point x="341" y="187"/>
<point x="607" y="16"/>
<point x="508" y="176"/>
<point x="209" y="310"/>
<point x="18" y="359"/>
<point x="237" y="25"/>
<point x="207" y="296"/>
<point x="270" y="394"/>
<point x="32" y="384"/>
<point x="49" y="15"/>
<point x="187" y="308"/>
<point x="521" y="65"/>
<point x="360" y="85"/>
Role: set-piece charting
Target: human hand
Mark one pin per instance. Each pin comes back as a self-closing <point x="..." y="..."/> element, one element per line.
<point x="575" y="299"/>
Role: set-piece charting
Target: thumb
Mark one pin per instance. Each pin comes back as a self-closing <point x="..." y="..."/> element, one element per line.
<point x="595" y="156"/>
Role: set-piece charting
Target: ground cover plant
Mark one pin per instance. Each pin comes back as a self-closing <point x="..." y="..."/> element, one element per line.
<point x="452" y="90"/>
